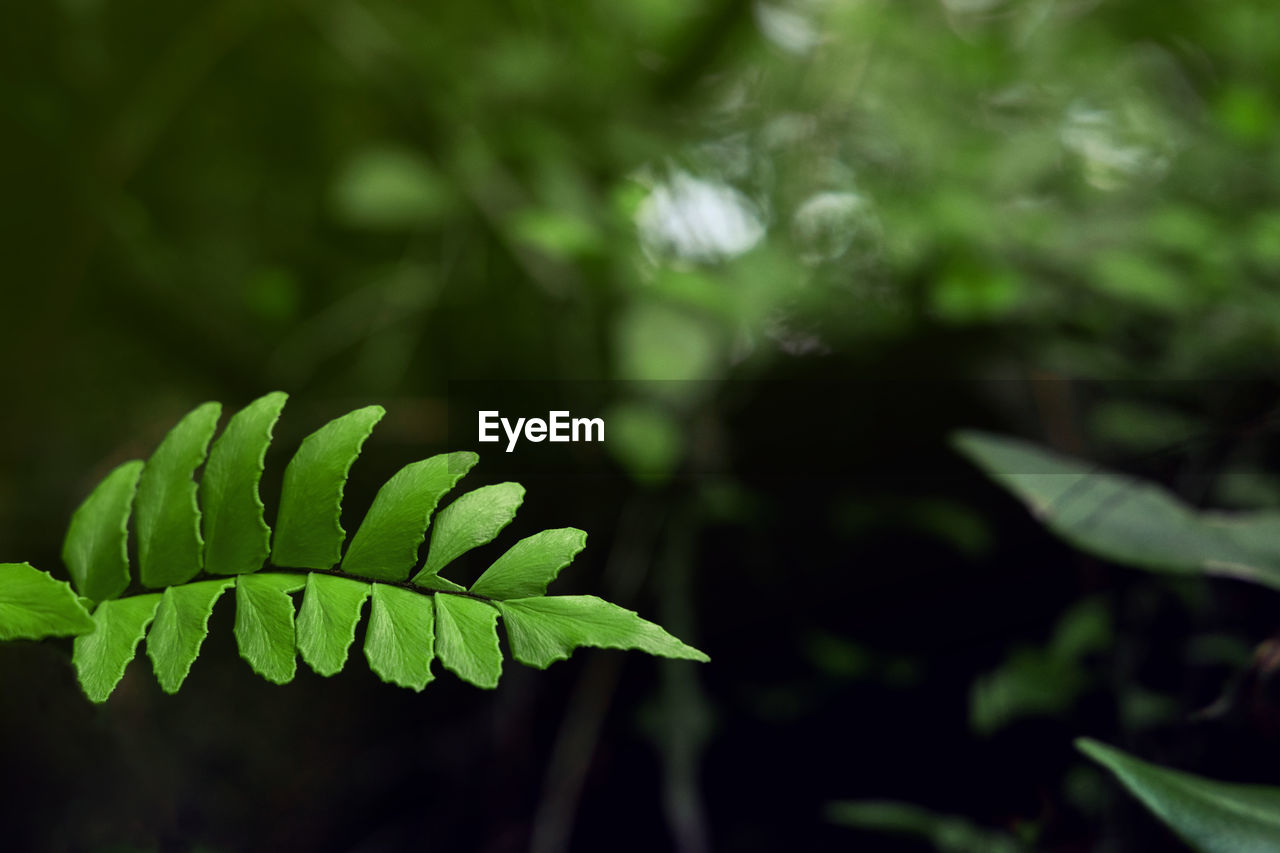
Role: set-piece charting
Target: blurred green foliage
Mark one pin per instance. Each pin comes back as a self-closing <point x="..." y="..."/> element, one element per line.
<point x="945" y="833"/>
<point x="343" y="194"/>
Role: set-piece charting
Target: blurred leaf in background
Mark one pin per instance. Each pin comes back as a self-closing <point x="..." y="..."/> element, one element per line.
<point x="1043" y="681"/>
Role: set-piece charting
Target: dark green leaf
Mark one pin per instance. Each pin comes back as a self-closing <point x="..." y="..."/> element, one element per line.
<point x="170" y="549"/>
<point x="531" y="564"/>
<point x="546" y="629"/>
<point x="237" y="538"/>
<point x="400" y="640"/>
<point x="473" y="519"/>
<point x="96" y="549"/>
<point x="386" y="545"/>
<point x="264" y="623"/>
<point x="100" y="657"/>
<point x="181" y="624"/>
<point x="1211" y="816"/>
<point x="327" y="621"/>
<point x="1126" y="520"/>
<point x="34" y="604"/>
<point x="467" y="639"/>
<point x="1244" y="545"/>
<point x="309" y="532"/>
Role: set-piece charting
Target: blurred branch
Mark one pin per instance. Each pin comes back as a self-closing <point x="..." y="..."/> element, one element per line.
<point x="684" y="711"/>
<point x="579" y="732"/>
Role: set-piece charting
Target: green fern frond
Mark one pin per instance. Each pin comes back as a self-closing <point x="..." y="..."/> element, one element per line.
<point x="197" y="541"/>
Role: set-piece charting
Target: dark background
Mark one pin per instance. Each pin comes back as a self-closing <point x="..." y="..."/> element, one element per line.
<point x="785" y="249"/>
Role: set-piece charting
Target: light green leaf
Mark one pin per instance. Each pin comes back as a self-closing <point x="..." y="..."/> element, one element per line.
<point x="531" y="564"/>
<point x="181" y="624"/>
<point x="100" y="657"/>
<point x="264" y="623"/>
<point x="473" y="519"/>
<point x="34" y="604"/>
<point x="309" y="532"/>
<point x="467" y="639"/>
<point x="96" y="549"/>
<point x="1126" y="520"/>
<point x="327" y="621"/>
<point x="400" y="639"/>
<point x="170" y="549"/>
<point x="237" y="538"/>
<point x="546" y="629"/>
<point x="1211" y="816"/>
<point x="386" y="545"/>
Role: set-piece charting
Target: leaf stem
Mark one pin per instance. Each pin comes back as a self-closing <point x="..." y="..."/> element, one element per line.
<point x="421" y="590"/>
<point x="282" y="570"/>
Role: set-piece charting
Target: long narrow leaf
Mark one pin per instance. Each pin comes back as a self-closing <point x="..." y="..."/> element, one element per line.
<point x="1211" y="816"/>
<point x="1125" y="519"/>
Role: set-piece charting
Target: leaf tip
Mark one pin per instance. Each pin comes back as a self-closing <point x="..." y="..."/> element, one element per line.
<point x="463" y="460"/>
<point x="969" y="442"/>
<point x="1091" y="748"/>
